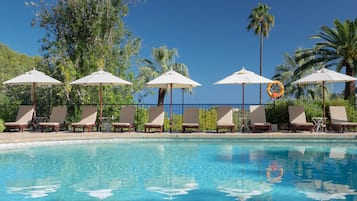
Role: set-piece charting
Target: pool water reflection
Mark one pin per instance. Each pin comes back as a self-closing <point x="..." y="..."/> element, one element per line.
<point x="209" y="170"/>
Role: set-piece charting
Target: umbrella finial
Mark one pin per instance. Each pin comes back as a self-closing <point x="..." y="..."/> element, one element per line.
<point x="322" y="70"/>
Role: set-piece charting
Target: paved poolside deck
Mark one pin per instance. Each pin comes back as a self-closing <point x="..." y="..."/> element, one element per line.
<point x="27" y="137"/>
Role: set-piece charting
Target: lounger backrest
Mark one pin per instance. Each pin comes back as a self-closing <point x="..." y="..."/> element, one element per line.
<point x="191" y="115"/>
<point x="297" y="114"/>
<point x="127" y="114"/>
<point x="89" y="114"/>
<point x="338" y="114"/>
<point x="58" y="114"/>
<point x="224" y="115"/>
<point x="156" y="115"/>
<point x="25" y="113"/>
<point x="257" y="114"/>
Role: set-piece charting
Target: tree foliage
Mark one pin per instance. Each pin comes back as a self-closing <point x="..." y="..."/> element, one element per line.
<point x="163" y="60"/>
<point x="83" y="36"/>
<point x="337" y="48"/>
<point x="13" y="64"/>
<point x="261" y="21"/>
<point x="287" y="73"/>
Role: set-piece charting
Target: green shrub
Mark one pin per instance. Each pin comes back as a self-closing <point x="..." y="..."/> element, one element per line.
<point x="2" y="126"/>
<point x="141" y="118"/>
<point x="277" y="113"/>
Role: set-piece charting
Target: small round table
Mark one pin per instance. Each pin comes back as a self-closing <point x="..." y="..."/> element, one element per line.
<point x="319" y="123"/>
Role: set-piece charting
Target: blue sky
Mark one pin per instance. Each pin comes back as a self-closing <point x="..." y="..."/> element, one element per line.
<point x="210" y="36"/>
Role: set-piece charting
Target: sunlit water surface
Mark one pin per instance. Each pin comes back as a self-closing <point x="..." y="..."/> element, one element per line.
<point x="189" y="170"/>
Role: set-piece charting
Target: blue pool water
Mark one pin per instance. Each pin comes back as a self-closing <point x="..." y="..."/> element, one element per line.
<point x="189" y="170"/>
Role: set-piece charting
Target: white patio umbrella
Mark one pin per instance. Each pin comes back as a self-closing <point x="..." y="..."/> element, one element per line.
<point x="244" y="77"/>
<point x="321" y="77"/>
<point x="33" y="78"/>
<point x="100" y="78"/>
<point x="170" y="80"/>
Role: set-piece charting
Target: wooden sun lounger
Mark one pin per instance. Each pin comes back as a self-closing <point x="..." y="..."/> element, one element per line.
<point x="224" y="118"/>
<point x="258" y="118"/>
<point x="57" y="119"/>
<point x="339" y="121"/>
<point x="156" y="119"/>
<point x="297" y="119"/>
<point x="88" y="119"/>
<point x="190" y="119"/>
<point x="127" y="119"/>
<point x="23" y="118"/>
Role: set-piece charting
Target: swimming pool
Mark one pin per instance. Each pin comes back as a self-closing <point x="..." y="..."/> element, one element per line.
<point x="190" y="170"/>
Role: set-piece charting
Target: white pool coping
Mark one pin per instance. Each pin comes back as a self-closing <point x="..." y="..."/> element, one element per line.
<point x="25" y="137"/>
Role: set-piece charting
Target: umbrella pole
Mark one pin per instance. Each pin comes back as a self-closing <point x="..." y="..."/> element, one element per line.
<point x="34" y="99"/>
<point x="100" y="106"/>
<point x="170" y="108"/>
<point x="242" y="128"/>
<point x="323" y="103"/>
<point x="34" y="107"/>
<point x="182" y="106"/>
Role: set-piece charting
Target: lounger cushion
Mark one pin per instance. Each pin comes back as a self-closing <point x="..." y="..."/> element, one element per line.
<point x="297" y="119"/>
<point x="190" y="124"/>
<point x="14" y="124"/>
<point x="122" y="124"/>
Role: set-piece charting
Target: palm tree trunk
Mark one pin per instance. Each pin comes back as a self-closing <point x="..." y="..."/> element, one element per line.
<point x="161" y="96"/>
<point x="350" y="86"/>
<point x="260" y="67"/>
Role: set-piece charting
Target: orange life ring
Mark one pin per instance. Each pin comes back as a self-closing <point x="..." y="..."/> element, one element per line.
<point x="275" y="89"/>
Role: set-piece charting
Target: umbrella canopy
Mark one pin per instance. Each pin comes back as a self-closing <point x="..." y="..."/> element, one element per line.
<point x="100" y="78"/>
<point x="324" y="75"/>
<point x="244" y="77"/>
<point x="171" y="79"/>
<point x="321" y="77"/>
<point x="33" y="78"/>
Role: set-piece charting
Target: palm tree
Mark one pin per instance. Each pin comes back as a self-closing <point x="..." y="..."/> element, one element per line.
<point x="337" y="48"/>
<point x="163" y="60"/>
<point x="261" y="21"/>
<point x="285" y="73"/>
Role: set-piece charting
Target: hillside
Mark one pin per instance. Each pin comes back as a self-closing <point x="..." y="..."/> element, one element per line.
<point x="13" y="63"/>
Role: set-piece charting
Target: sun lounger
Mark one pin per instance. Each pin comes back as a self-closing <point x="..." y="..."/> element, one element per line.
<point x="190" y="119"/>
<point x="297" y="119"/>
<point x="258" y="118"/>
<point x="224" y="118"/>
<point x="23" y="118"/>
<point x="339" y="121"/>
<point x="88" y="119"/>
<point x="127" y="118"/>
<point x="156" y="119"/>
<point x="57" y="119"/>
